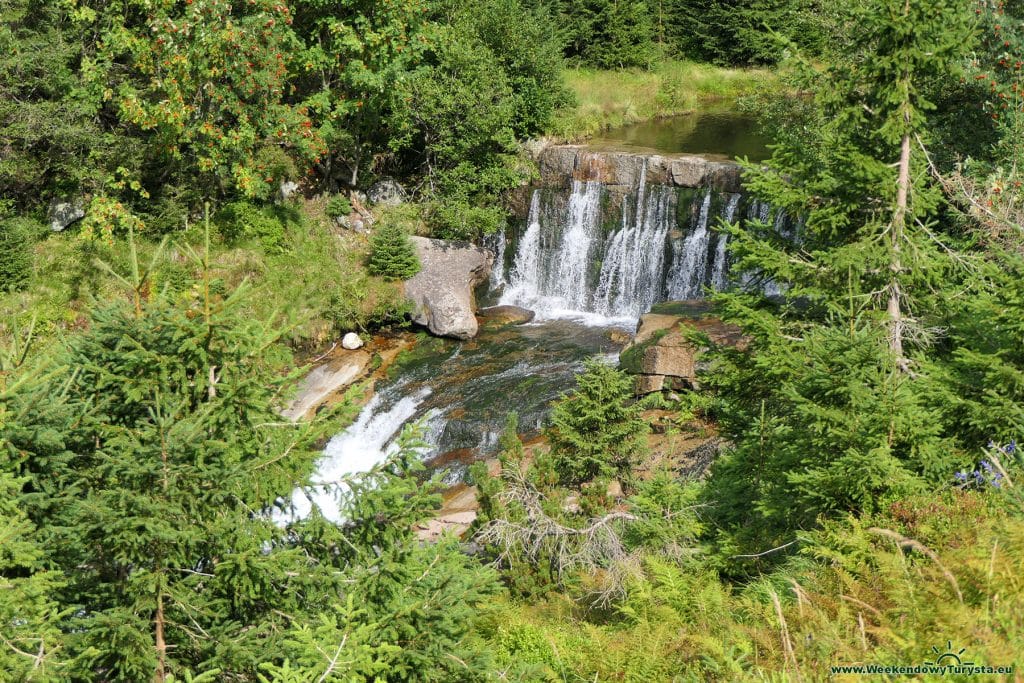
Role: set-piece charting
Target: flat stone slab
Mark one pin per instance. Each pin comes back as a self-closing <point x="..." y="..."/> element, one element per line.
<point x="561" y="163"/>
<point x="326" y="379"/>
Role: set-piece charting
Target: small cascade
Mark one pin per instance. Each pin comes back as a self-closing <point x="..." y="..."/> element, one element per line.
<point x="497" y="243"/>
<point x="719" y="270"/>
<point x="690" y="264"/>
<point x="631" y="270"/>
<point x="365" y="444"/>
<point x="605" y="257"/>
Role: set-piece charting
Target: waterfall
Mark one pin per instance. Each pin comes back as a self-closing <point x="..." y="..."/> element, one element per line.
<point x="365" y="444"/>
<point x="605" y="257"/>
<point x="719" y="269"/>
<point x="690" y="263"/>
<point x="631" y="270"/>
<point x="552" y="266"/>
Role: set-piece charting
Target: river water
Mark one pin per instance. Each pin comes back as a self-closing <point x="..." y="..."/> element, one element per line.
<point x="587" y="277"/>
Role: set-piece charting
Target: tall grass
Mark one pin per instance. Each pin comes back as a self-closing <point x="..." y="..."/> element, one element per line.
<point x="945" y="569"/>
<point x="606" y="99"/>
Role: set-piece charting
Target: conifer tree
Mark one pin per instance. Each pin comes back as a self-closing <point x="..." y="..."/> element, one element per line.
<point x="392" y="254"/>
<point x="827" y="408"/>
<point x="31" y="641"/>
<point x="597" y="430"/>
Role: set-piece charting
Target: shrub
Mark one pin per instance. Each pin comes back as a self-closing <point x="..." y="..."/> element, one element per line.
<point x="243" y="220"/>
<point x="338" y="206"/>
<point x="16" y="237"/>
<point x="598" y="430"/>
<point x="392" y="255"/>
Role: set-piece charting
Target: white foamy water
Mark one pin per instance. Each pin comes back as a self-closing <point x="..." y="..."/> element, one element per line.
<point x="567" y="267"/>
<point x="365" y="444"/>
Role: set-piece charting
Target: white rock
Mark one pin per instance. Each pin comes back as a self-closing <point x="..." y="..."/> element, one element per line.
<point x="351" y="341"/>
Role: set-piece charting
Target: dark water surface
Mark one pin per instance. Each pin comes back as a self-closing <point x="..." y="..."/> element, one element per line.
<point x="718" y="133"/>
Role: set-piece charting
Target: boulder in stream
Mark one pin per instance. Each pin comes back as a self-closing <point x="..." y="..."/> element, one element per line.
<point x="506" y="315"/>
<point x="662" y="354"/>
<point x="442" y="292"/>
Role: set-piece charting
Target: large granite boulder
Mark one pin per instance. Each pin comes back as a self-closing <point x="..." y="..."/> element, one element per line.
<point x="64" y="212"/>
<point x="662" y="354"/>
<point x="442" y="292"/>
<point x="387" y="192"/>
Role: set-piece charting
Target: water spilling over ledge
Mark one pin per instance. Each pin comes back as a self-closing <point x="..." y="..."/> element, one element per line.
<point x="610" y="233"/>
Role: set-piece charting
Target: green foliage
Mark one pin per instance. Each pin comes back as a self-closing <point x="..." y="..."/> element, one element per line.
<point x="885" y="588"/>
<point x="746" y="31"/>
<point x="50" y="127"/>
<point x="152" y="469"/>
<point x="392" y="254"/>
<point x="338" y="206"/>
<point x="17" y="237"/>
<point x="597" y="430"/>
<point x="825" y="412"/>
<point x="608" y="34"/>
<point x="242" y="220"/>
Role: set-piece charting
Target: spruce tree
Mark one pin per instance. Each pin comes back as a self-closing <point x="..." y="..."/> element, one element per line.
<point x="392" y="254"/>
<point x="597" y="430"/>
<point x="827" y="408"/>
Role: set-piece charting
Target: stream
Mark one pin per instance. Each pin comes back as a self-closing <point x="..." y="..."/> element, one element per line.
<point x="589" y="265"/>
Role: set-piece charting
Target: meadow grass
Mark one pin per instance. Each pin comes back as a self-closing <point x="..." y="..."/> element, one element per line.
<point x="944" y="571"/>
<point x="606" y="99"/>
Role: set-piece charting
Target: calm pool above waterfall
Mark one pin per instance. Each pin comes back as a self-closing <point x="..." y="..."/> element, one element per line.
<point x="722" y="134"/>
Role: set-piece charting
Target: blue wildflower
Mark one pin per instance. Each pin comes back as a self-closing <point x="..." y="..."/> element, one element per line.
<point x="1011" y="447"/>
<point x="961" y="476"/>
<point x="987" y="466"/>
<point x="977" y="477"/>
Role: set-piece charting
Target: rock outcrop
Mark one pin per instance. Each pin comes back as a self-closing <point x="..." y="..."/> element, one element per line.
<point x="561" y="163"/>
<point x="388" y="192"/>
<point x="662" y="354"/>
<point x="326" y="379"/>
<point x="442" y="292"/>
<point x="500" y="316"/>
<point x="63" y="213"/>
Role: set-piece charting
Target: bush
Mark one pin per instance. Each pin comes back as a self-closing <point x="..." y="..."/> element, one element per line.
<point x="16" y="238"/>
<point x="598" y="430"/>
<point x="243" y="220"/>
<point x="338" y="206"/>
<point x="392" y="255"/>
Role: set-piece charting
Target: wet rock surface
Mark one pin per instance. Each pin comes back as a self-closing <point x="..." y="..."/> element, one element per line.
<point x="561" y="163"/>
<point x="506" y="315"/>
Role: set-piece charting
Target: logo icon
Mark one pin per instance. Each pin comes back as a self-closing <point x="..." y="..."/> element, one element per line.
<point x="949" y="657"/>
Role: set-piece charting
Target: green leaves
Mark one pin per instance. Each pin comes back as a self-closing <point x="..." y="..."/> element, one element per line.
<point x="597" y="430"/>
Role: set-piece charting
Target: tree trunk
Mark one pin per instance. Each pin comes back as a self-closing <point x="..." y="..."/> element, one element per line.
<point x="899" y="223"/>
<point x="161" y="646"/>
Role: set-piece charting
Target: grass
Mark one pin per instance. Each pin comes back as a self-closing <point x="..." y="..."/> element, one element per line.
<point x="315" y="282"/>
<point x="607" y="99"/>
<point x="941" y="568"/>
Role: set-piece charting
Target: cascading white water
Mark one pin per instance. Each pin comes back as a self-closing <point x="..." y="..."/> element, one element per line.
<point x="634" y="260"/>
<point x="720" y="267"/>
<point x="550" y="270"/>
<point x="365" y="444"/>
<point x="690" y="263"/>
<point x="555" y="270"/>
<point x="525" y="278"/>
